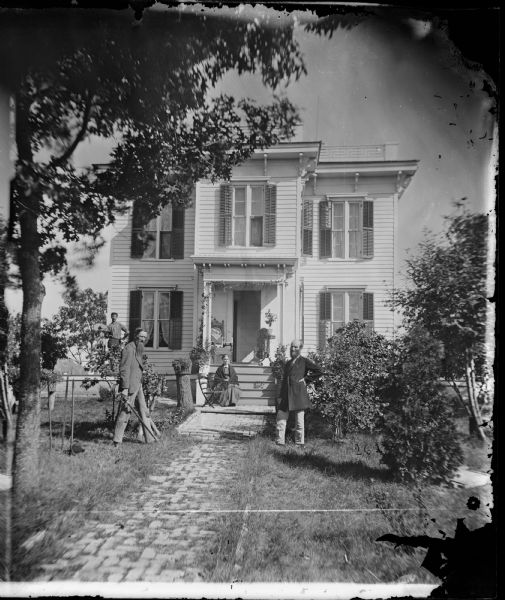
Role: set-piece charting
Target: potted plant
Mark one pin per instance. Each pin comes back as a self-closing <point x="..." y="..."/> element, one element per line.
<point x="270" y="318"/>
<point x="200" y="358"/>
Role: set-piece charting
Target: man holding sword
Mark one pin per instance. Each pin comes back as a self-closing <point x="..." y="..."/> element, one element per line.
<point x="130" y="385"/>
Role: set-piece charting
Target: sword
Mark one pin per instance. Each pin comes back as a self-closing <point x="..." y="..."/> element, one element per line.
<point x="146" y="426"/>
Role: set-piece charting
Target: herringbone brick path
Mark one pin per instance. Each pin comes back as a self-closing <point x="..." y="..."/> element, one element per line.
<point x="158" y="533"/>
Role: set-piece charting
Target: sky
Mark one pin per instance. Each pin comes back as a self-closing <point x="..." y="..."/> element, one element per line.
<point x="381" y="81"/>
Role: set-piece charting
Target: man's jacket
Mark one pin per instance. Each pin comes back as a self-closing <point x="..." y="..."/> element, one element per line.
<point x="297" y="374"/>
<point x="130" y="369"/>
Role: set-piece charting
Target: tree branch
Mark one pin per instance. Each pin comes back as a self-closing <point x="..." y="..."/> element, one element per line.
<point x="80" y="135"/>
<point x="459" y="396"/>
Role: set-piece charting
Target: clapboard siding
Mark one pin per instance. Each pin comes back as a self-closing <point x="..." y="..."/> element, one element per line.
<point x="128" y="273"/>
<point x="375" y="274"/>
<point x="207" y="241"/>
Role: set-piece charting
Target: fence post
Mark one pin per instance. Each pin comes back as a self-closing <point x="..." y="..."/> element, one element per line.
<point x="64" y="415"/>
<point x="72" y="418"/>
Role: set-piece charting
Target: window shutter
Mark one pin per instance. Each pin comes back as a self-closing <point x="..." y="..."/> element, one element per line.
<point x="270" y="213"/>
<point x="135" y="318"/>
<point x="177" y="239"/>
<point x="175" y="327"/>
<point x="225" y="214"/>
<point x="324" y="229"/>
<point x="307" y="225"/>
<point x="368" y="312"/>
<point x="367" y="224"/>
<point x="137" y="238"/>
<point x="324" y="318"/>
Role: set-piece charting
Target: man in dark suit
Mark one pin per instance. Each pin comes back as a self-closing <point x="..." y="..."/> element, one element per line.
<point x="130" y="385"/>
<point x="298" y="372"/>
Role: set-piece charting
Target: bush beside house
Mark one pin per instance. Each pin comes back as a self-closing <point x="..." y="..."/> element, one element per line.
<point x="419" y="437"/>
<point x="355" y="362"/>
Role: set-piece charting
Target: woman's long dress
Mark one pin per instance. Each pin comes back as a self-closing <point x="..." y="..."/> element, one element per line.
<point x="226" y="378"/>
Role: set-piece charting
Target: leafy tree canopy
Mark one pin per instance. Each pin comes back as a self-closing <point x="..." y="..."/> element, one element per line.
<point x="78" y="74"/>
<point x="74" y="322"/>
<point x="448" y="295"/>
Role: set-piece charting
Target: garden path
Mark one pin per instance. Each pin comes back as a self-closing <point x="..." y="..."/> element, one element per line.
<point x="158" y="534"/>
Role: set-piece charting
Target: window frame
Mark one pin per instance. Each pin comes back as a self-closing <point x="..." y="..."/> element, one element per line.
<point x="346" y="200"/>
<point x="248" y="213"/>
<point x="346" y="292"/>
<point x="158" y="236"/>
<point x="156" y="318"/>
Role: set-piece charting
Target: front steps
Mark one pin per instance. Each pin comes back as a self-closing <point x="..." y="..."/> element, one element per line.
<point x="239" y="423"/>
<point x="257" y="384"/>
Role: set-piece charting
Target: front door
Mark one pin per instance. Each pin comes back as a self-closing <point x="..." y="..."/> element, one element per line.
<point x="246" y="324"/>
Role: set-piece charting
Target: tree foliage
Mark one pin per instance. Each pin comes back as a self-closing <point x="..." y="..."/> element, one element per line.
<point x="355" y="362"/>
<point x="419" y="438"/>
<point x="74" y="322"/>
<point x="448" y="298"/>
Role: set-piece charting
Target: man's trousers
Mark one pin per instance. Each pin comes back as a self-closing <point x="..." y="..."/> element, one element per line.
<point x="281" y="422"/>
<point x="124" y="416"/>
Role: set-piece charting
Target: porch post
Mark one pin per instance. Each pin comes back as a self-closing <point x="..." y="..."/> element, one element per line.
<point x="206" y="317"/>
<point x="280" y="300"/>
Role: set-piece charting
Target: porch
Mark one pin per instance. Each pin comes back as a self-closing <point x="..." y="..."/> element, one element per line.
<point x="243" y="312"/>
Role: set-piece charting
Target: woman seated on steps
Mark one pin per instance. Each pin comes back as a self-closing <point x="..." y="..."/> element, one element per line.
<point x="226" y="379"/>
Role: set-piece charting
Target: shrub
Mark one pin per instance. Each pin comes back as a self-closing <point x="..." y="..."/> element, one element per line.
<point x="105" y="394"/>
<point x="355" y="363"/>
<point x="279" y="362"/>
<point x="419" y="438"/>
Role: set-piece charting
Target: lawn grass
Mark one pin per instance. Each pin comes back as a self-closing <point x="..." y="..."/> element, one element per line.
<point x="309" y="544"/>
<point x="76" y="489"/>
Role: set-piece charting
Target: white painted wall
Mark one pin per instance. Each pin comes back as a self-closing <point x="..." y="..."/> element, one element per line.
<point x="129" y="273"/>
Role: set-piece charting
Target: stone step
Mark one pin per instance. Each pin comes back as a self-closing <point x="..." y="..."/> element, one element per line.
<point x="241" y="409"/>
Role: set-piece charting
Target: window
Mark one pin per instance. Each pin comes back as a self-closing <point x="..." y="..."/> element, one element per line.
<point x="345" y="307"/>
<point x="161" y="238"/>
<point x="159" y="312"/>
<point x="247" y="215"/>
<point x="346" y="228"/>
<point x="339" y="307"/>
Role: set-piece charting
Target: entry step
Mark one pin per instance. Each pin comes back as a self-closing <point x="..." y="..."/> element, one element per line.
<point x="238" y="410"/>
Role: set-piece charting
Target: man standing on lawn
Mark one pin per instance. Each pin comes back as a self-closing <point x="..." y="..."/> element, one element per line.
<point x="130" y="385"/>
<point x="298" y="372"/>
<point x="115" y="330"/>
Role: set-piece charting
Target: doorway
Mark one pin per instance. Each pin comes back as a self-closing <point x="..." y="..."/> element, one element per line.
<point x="246" y="324"/>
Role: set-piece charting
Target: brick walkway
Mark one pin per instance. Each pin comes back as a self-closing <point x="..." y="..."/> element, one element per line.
<point x="158" y="533"/>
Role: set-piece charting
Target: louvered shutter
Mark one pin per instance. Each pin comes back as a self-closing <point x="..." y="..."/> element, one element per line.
<point x="324" y="229"/>
<point x="367" y="250"/>
<point x="177" y="239"/>
<point x="225" y="214"/>
<point x="368" y="310"/>
<point x="135" y="313"/>
<point x="307" y="226"/>
<point x="270" y="214"/>
<point x="324" y="318"/>
<point x="137" y="239"/>
<point x="175" y="326"/>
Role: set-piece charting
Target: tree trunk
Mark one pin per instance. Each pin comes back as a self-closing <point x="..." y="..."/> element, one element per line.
<point x="186" y="396"/>
<point x="28" y="421"/>
<point x="475" y="427"/>
<point x="26" y="452"/>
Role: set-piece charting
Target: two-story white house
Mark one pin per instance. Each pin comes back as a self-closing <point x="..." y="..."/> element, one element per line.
<point x="304" y="231"/>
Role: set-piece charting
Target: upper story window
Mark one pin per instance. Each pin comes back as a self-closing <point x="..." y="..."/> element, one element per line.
<point x="247" y="215"/>
<point x="159" y="313"/>
<point x="161" y="238"/>
<point x="346" y="228"/>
